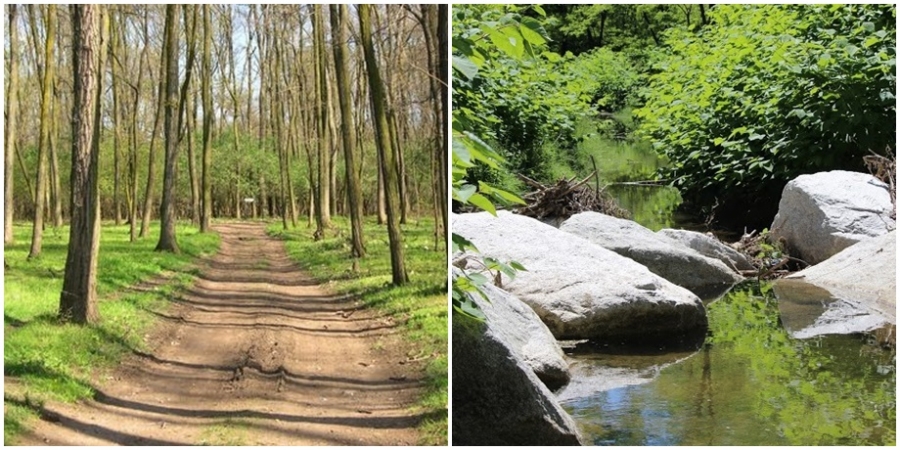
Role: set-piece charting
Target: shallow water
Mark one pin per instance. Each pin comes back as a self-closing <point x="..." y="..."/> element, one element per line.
<point x="750" y="383"/>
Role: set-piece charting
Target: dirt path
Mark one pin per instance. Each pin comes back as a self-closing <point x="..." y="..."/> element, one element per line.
<point x="255" y="353"/>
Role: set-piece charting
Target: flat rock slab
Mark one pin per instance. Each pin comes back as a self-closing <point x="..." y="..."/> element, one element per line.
<point x="864" y="274"/>
<point x="807" y="311"/>
<point x="581" y="290"/>
<point x="255" y="353"/>
<point x="821" y="214"/>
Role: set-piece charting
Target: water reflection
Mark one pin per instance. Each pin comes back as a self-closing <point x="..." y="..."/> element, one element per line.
<point x="751" y="384"/>
<point x="650" y="206"/>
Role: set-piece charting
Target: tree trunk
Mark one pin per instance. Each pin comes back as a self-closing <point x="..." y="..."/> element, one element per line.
<point x="339" y="25"/>
<point x="206" y="94"/>
<point x="167" y="240"/>
<point x="77" y="301"/>
<point x="115" y="42"/>
<point x="383" y="143"/>
<point x="46" y="98"/>
<point x="151" y="165"/>
<point x="12" y="117"/>
<point x="133" y="150"/>
<point x="442" y="181"/>
<point x="323" y="150"/>
<point x="55" y="204"/>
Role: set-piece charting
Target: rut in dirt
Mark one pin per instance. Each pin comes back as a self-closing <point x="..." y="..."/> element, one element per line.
<point x="254" y="353"/>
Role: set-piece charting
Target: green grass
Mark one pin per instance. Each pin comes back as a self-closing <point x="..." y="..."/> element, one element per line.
<point x="421" y="304"/>
<point x="229" y="432"/>
<point x="50" y="360"/>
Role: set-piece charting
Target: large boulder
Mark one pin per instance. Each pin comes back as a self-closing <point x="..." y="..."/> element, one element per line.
<point x="581" y="290"/>
<point x="497" y="399"/>
<point x="864" y="273"/>
<point x="706" y="277"/>
<point x="824" y="213"/>
<point x="709" y="247"/>
<point x="525" y="334"/>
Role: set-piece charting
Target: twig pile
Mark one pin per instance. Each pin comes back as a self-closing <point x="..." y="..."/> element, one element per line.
<point x="566" y="198"/>
<point x="885" y="169"/>
<point x="767" y="267"/>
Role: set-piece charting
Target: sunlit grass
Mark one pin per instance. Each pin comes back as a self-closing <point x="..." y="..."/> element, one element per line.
<point x="52" y="360"/>
<point x="421" y="304"/>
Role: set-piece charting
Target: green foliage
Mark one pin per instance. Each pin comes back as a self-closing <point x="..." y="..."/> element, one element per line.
<point x="629" y="29"/>
<point x="473" y="49"/>
<point x="51" y="360"/>
<point x="420" y="305"/>
<point x="771" y="92"/>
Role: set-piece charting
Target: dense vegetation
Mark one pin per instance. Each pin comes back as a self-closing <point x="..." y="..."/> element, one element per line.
<point x="769" y="93"/>
<point x="736" y="100"/>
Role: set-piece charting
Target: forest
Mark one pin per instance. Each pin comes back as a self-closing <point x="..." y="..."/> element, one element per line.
<point x="136" y="135"/>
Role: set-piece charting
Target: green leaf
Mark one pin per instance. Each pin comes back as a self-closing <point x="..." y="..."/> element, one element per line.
<point x="477" y="279"/>
<point x="483" y="203"/>
<point x="465" y="67"/>
<point x="465" y="192"/>
<point x="533" y="31"/>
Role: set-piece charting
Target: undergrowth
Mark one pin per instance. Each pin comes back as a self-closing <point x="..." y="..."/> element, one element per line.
<point x="421" y="305"/>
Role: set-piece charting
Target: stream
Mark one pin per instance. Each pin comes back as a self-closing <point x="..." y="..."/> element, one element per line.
<point x="751" y="382"/>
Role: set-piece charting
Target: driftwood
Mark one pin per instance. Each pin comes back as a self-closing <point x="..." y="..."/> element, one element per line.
<point x="566" y="198"/>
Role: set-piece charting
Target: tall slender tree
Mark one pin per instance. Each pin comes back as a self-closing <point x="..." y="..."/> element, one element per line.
<point x="383" y="143"/>
<point x="12" y="117"/>
<point x="77" y="301"/>
<point x="167" y="239"/>
<point x="339" y="25"/>
<point x="206" y="94"/>
<point x="441" y="176"/>
<point x="46" y="97"/>
<point x="322" y="142"/>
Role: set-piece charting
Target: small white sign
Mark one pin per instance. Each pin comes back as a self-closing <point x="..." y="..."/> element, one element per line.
<point x="249" y="200"/>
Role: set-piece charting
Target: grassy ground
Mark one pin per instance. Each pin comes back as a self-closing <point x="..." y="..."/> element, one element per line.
<point x="421" y="304"/>
<point x="45" y="359"/>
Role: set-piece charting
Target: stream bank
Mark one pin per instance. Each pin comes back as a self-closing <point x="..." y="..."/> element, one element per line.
<point x="756" y="380"/>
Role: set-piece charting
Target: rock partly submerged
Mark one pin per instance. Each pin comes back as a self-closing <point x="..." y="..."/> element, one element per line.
<point x="821" y="214"/>
<point x="853" y="291"/>
<point x="497" y="398"/>
<point x="528" y="337"/>
<point x="581" y="290"/>
<point x="681" y="265"/>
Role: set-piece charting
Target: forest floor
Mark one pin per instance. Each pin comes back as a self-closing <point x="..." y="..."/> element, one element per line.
<point x="254" y="353"/>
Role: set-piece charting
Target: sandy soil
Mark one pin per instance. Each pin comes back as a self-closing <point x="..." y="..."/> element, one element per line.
<point x="255" y="353"/>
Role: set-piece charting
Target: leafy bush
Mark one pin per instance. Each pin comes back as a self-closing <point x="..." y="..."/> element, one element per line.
<point x="770" y="92"/>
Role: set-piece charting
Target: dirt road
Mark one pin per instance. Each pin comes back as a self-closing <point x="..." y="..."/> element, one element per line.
<point x="255" y="353"/>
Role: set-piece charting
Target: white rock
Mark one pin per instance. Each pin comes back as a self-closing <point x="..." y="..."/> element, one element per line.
<point x="581" y="290"/>
<point x="709" y="247"/>
<point x="824" y="213"/>
<point x="706" y="277"/>
<point x="497" y="398"/>
<point x="864" y="273"/>
<point x="526" y="335"/>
